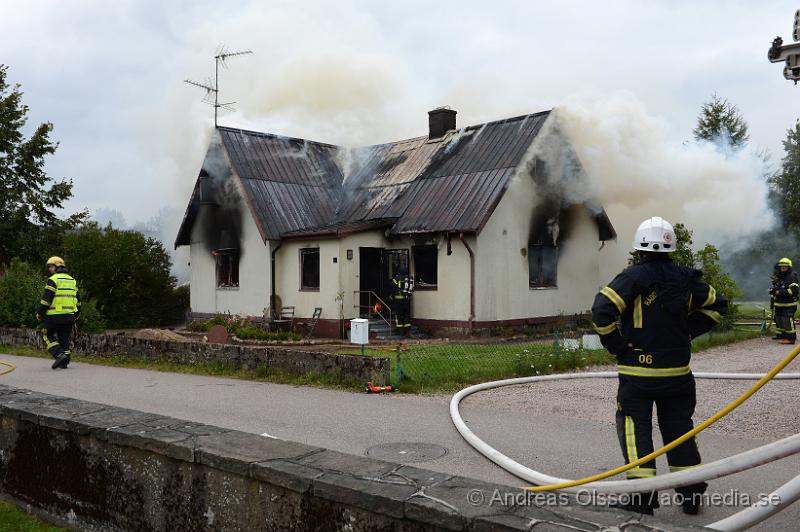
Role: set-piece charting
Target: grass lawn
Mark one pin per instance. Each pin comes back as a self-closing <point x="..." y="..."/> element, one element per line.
<point x="14" y="519"/>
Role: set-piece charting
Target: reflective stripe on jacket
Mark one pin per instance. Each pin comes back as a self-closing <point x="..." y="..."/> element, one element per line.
<point x="787" y="290"/>
<point x="65" y="299"/>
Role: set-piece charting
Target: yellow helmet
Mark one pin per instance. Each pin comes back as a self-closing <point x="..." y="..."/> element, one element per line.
<point x="55" y="261"/>
<point x="785" y="262"/>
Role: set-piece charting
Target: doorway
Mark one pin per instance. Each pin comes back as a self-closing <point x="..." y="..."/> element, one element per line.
<point x="377" y="266"/>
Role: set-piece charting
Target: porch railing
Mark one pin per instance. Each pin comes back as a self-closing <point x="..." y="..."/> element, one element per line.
<point x="376" y="306"/>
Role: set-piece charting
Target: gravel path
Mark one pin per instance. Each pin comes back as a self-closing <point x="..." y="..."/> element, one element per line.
<point x="584" y="409"/>
<point x="773" y="412"/>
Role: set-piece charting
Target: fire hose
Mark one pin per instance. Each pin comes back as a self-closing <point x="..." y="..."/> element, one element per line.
<point x="11" y="367"/>
<point x="767" y="453"/>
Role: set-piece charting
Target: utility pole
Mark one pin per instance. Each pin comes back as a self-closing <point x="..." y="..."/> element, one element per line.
<point x="220" y="58"/>
<point x="789" y="53"/>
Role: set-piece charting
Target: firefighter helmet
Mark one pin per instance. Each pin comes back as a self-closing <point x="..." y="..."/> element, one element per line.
<point x="785" y="262"/>
<point x="55" y="261"/>
<point x="655" y="234"/>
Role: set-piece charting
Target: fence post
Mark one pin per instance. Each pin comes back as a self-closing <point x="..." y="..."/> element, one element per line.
<point x="398" y="369"/>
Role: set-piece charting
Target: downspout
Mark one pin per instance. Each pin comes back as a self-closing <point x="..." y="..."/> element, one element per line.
<point x="272" y="281"/>
<point x="471" y="281"/>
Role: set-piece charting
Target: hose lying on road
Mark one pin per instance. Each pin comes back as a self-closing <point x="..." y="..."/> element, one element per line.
<point x="11" y="367"/>
<point x="725" y="466"/>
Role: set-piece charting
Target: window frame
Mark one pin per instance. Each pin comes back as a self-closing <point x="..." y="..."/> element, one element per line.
<point x="227" y="259"/>
<point x="418" y="283"/>
<point x="303" y="254"/>
<point x="542" y="282"/>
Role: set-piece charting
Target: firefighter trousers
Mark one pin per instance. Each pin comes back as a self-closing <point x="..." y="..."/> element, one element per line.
<point x="784" y="322"/>
<point x="674" y="399"/>
<point x="58" y="331"/>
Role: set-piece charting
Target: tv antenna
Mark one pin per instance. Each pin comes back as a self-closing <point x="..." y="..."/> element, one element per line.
<point x="220" y="57"/>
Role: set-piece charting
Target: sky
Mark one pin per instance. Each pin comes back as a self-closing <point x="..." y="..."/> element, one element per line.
<point x="628" y="77"/>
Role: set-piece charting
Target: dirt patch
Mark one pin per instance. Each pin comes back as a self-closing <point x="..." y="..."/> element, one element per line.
<point x="159" y="334"/>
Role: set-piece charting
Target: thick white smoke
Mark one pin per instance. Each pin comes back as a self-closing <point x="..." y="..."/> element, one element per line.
<point x="638" y="169"/>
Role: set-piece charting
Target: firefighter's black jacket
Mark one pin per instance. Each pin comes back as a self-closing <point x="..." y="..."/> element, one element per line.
<point x="785" y="289"/>
<point x="649" y="313"/>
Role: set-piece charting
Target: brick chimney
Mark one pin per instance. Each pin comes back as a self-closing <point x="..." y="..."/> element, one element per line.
<point x="440" y="121"/>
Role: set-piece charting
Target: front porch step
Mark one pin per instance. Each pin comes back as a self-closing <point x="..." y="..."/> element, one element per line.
<point x="379" y="330"/>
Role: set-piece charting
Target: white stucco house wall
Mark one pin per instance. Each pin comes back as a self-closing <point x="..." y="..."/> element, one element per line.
<point x="477" y="215"/>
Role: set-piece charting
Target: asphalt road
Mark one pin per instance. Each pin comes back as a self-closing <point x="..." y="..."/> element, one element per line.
<point x="562" y="428"/>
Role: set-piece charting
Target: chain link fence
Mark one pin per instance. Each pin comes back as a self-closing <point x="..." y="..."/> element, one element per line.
<point x="430" y="366"/>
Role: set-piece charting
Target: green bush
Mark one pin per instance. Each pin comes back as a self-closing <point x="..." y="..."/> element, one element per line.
<point x="91" y="321"/>
<point x="21" y="288"/>
<point x="242" y="328"/>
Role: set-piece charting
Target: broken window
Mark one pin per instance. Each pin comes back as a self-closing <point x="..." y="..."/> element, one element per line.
<point x="426" y="267"/>
<point x="309" y="269"/>
<point x="542" y="265"/>
<point x="227" y="267"/>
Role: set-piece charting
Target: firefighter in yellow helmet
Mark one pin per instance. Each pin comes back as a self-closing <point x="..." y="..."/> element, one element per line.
<point x="401" y="300"/>
<point x="646" y="317"/>
<point x="783" y="293"/>
<point x="59" y="308"/>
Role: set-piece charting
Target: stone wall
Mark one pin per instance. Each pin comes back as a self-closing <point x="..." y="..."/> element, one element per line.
<point x="340" y="368"/>
<point x="96" y="467"/>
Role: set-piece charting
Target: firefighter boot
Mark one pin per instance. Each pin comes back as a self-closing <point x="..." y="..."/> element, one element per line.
<point x="640" y="503"/>
<point x="691" y="497"/>
<point x="61" y="361"/>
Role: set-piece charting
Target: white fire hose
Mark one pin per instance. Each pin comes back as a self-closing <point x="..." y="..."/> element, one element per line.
<point x="788" y="493"/>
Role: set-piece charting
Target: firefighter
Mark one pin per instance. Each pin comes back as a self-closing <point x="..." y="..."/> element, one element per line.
<point x="59" y="308"/>
<point x="783" y="296"/>
<point x="646" y="317"/>
<point x="401" y="297"/>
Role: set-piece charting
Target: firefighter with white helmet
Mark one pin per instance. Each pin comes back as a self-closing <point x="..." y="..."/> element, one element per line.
<point x="59" y="308"/>
<point x="784" y="293"/>
<point x="646" y="317"/>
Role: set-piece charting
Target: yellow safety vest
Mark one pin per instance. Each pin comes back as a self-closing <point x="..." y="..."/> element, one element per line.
<point x="66" y="299"/>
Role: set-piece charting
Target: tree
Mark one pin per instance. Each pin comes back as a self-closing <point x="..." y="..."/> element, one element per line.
<point x="720" y="120"/>
<point x="127" y="273"/>
<point x="785" y="183"/>
<point x="28" y="196"/>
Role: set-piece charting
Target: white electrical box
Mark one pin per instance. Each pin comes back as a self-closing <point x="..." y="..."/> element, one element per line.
<point x="359" y="331"/>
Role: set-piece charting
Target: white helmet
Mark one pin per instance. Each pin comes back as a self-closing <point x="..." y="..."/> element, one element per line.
<point x="655" y="234"/>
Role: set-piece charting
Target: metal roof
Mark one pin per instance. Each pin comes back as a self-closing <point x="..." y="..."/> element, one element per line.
<point x="296" y="187"/>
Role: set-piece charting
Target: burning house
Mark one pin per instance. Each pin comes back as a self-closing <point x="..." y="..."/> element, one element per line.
<point x="496" y="224"/>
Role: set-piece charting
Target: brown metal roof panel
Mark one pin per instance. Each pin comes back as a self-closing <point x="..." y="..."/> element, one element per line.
<point x="384" y="202"/>
<point x="269" y="214"/>
<point x="281" y="158"/>
<point x="489" y="187"/>
<point x="493" y="197"/>
<point x="464" y="202"/>
<point x="404" y="165"/>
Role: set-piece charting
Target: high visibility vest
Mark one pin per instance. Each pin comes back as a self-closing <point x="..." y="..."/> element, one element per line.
<point x="66" y="299"/>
